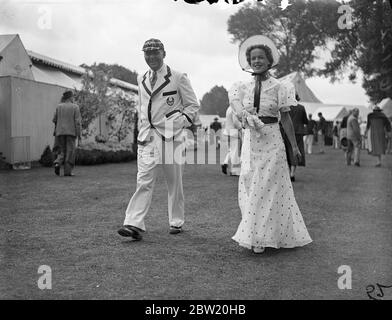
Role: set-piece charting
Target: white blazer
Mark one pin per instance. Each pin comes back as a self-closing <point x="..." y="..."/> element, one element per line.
<point x="167" y="108"/>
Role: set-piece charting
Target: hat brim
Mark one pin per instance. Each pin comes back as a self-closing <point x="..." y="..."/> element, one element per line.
<point x="252" y="41"/>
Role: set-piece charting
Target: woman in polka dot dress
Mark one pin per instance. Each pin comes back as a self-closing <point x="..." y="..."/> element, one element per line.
<point x="270" y="214"/>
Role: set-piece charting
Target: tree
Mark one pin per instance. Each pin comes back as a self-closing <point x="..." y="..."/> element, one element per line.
<point x="94" y="97"/>
<point x="117" y="71"/>
<point x="367" y="46"/>
<point x="98" y="97"/>
<point x="296" y="31"/>
<point x="121" y="117"/>
<point x="215" y="101"/>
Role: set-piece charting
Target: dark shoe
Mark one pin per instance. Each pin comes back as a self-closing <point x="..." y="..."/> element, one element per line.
<point x="378" y="165"/>
<point x="356" y="164"/>
<point x="130" y="231"/>
<point x="175" y="230"/>
<point x="57" y="169"/>
<point x="224" y="168"/>
<point x="69" y="175"/>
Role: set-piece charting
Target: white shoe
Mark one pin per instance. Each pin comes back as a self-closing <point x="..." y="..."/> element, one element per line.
<point x="258" y="249"/>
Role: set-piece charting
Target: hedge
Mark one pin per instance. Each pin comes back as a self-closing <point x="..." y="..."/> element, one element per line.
<point x="95" y="153"/>
<point x="91" y="157"/>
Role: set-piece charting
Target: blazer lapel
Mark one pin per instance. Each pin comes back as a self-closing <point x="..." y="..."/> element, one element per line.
<point x="146" y="84"/>
<point x="161" y="83"/>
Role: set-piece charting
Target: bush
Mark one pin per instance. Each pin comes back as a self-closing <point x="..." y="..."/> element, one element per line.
<point x="47" y="157"/>
<point x="100" y="138"/>
<point x="97" y="153"/>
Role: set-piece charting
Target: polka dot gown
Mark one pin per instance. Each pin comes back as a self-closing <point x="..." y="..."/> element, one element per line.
<point x="270" y="214"/>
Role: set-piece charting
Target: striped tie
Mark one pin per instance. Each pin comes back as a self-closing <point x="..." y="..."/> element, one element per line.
<point x="153" y="79"/>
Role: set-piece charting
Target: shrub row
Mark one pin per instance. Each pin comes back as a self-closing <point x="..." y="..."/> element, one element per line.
<point x="94" y="156"/>
<point x="94" y="153"/>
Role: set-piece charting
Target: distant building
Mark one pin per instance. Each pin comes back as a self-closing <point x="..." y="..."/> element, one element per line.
<point x="31" y="86"/>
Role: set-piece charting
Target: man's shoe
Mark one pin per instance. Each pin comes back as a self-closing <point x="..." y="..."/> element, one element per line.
<point x="175" y="230"/>
<point x="57" y="169"/>
<point x="130" y="231"/>
<point x="69" y="175"/>
<point x="357" y="164"/>
<point x="224" y="168"/>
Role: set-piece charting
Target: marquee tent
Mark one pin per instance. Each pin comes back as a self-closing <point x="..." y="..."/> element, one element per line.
<point x="31" y="85"/>
<point x="386" y="106"/>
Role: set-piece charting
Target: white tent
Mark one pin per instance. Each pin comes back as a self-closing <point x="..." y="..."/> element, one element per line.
<point x="386" y="106"/>
<point x="312" y="108"/>
<point x="331" y="113"/>
<point x="312" y="103"/>
<point x="301" y="88"/>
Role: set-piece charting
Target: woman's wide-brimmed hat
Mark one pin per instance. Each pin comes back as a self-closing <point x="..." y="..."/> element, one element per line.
<point x="253" y="41"/>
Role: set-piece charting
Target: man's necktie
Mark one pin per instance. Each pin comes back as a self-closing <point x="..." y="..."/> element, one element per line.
<point x="153" y="79"/>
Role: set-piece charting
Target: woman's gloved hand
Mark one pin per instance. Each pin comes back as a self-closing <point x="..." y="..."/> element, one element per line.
<point x="251" y="121"/>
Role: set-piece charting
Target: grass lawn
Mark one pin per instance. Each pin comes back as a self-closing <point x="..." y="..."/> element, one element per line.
<point x="70" y="224"/>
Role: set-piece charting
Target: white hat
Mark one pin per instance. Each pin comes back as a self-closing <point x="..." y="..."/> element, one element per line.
<point x="252" y="41"/>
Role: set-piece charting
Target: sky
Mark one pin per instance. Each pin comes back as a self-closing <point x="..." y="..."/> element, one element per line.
<point x="113" y="31"/>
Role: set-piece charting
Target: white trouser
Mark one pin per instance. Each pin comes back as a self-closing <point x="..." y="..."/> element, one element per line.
<point x="233" y="156"/>
<point x="321" y="142"/>
<point x="149" y="158"/>
<point x="309" y="143"/>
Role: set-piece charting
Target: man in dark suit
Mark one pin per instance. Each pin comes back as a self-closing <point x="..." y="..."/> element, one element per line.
<point x="67" y="121"/>
<point x="322" y="131"/>
<point x="216" y="128"/>
<point x="310" y="133"/>
<point x="300" y="120"/>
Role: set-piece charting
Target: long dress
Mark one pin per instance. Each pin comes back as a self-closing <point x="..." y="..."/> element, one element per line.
<point x="379" y="125"/>
<point x="270" y="214"/>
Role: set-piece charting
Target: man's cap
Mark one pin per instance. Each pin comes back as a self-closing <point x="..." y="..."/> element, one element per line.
<point x="153" y="44"/>
<point x="67" y="95"/>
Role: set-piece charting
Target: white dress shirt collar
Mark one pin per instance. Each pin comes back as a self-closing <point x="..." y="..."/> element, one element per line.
<point x="161" y="70"/>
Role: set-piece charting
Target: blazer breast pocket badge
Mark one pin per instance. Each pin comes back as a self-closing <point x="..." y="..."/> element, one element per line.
<point x="170" y="101"/>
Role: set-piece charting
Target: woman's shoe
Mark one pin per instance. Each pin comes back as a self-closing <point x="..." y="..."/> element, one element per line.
<point x="258" y="249"/>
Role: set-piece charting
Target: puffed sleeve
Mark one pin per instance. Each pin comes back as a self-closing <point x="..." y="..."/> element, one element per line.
<point x="286" y="97"/>
<point x="236" y="95"/>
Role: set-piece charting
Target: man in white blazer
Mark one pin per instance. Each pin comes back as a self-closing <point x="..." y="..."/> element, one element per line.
<point x="167" y="105"/>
